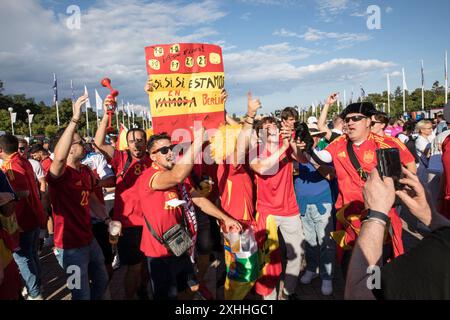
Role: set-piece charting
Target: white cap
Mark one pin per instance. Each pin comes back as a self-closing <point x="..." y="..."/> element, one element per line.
<point x="312" y="120"/>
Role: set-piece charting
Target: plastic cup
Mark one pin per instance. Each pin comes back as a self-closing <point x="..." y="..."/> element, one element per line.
<point x="114" y="229"/>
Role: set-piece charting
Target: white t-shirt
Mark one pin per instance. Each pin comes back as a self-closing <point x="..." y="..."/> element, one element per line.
<point x="97" y="162"/>
<point x="37" y="168"/>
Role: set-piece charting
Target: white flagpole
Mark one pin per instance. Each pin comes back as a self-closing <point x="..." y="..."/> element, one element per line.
<point x="345" y="99"/>
<point x="87" y="117"/>
<point x="123" y="113"/>
<point x="446" y="78"/>
<point x="423" y="89"/>
<point x="128" y="114"/>
<point x="389" y="93"/>
<point x="404" y="90"/>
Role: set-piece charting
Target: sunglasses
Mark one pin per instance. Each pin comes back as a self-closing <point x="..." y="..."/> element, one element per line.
<point x="164" y="150"/>
<point x="22" y="149"/>
<point x="354" y="119"/>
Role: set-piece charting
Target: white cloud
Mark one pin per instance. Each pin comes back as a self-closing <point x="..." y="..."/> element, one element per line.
<point x="272" y="2"/>
<point x="389" y="9"/>
<point x="110" y="43"/>
<point x="329" y="9"/>
<point x="342" y="40"/>
<point x="395" y="74"/>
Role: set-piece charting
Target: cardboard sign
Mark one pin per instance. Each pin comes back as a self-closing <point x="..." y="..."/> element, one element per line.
<point x="188" y="79"/>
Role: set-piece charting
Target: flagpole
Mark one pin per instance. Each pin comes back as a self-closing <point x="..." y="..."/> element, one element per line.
<point x="123" y="113"/>
<point x="446" y="78"/>
<point x="423" y="89"/>
<point x="389" y="93"/>
<point x="55" y="97"/>
<point x="57" y="113"/>
<point x="404" y="91"/>
<point x="117" y="120"/>
<point x="345" y="99"/>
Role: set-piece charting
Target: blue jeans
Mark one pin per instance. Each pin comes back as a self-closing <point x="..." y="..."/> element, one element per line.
<point x="320" y="249"/>
<point x="27" y="259"/>
<point x="81" y="265"/>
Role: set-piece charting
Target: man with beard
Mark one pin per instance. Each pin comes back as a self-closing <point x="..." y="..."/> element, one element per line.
<point x="128" y="165"/>
<point x="167" y="199"/>
<point x="71" y="187"/>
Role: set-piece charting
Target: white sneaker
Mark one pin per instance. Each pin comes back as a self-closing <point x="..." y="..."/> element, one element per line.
<point x="308" y="277"/>
<point x="24" y="292"/>
<point x="38" y="297"/>
<point x="327" y="287"/>
<point x="116" y="262"/>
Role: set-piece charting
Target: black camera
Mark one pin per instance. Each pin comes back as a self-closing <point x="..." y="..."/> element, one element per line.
<point x="389" y="165"/>
<point x="302" y="133"/>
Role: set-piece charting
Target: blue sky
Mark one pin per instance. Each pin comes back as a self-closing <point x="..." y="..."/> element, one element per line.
<point x="288" y="52"/>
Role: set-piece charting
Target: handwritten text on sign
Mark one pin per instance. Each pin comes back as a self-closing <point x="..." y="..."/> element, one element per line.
<point x="188" y="80"/>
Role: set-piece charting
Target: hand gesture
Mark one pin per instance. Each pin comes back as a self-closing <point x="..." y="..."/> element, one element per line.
<point x="231" y="225"/>
<point x="109" y="101"/>
<point x="332" y="98"/>
<point x="414" y="197"/>
<point x="77" y="106"/>
<point x="224" y="95"/>
<point x="252" y="105"/>
<point x="149" y="86"/>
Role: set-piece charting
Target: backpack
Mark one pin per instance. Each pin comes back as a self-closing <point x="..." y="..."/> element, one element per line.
<point x="411" y="145"/>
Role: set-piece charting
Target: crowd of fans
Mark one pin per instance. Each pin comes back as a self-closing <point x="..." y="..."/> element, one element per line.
<point x="311" y="191"/>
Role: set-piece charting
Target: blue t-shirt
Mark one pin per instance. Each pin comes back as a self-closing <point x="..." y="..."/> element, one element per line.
<point x="311" y="188"/>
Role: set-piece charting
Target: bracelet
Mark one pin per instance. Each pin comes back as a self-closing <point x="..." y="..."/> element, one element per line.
<point x="247" y="116"/>
<point x="250" y="123"/>
<point x="378" y="221"/>
<point x="74" y="121"/>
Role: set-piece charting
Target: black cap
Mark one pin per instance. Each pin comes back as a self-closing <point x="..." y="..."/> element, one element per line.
<point x="365" y="108"/>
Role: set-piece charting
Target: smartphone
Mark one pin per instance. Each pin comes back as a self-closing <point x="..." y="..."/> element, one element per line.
<point x="389" y="165"/>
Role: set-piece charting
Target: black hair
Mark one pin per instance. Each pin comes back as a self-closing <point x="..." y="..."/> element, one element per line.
<point x="289" y="112"/>
<point x="157" y="137"/>
<point x="36" y="148"/>
<point x="409" y="126"/>
<point x="137" y="130"/>
<point x="9" y="143"/>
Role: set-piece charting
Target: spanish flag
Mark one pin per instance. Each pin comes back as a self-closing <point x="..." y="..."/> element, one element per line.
<point x="269" y="254"/>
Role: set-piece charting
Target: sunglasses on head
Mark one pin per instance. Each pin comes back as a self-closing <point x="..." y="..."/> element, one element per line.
<point x="354" y="118"/>
<point x="164" y="150"/>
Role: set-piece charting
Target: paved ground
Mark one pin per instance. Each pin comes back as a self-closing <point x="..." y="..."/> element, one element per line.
<point x="55" y="289"/>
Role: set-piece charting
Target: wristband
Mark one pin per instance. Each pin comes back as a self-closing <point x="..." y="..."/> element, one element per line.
<point x="247" y="116"/>
<point x="372" y="214"/>
<point x="74" y="121"/>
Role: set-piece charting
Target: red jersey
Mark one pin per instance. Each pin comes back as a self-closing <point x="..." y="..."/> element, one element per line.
<point x="160" y="216"/>
<point x="46" y="163"/>
<point x="445" y="206"/>
<point x="127" y="209"/>
<point x="29" y="211"/>
<point x="236" y="191"/>
<point x="275" y="191"/>
<point x="69" y="196"/>
<point x="350" y="183"/>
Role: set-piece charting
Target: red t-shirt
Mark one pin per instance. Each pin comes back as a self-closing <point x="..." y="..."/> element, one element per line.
<point x="69" y="195"/>
<point x="127" y="208"/>
<point x="29" y="211"/>
<point x="236" y="191"/>
<point x="275" y="191"/>
<point x="46" y="163"/>
<point x="350" y="183"/>
<point x="445" y="207"/>
<point x="160" y="216"/>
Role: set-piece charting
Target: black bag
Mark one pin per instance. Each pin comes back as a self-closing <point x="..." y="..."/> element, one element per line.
<point x="411" y="145"/>
<point x="177" y="239"/>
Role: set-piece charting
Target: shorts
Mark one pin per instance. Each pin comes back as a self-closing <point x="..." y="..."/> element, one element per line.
<point x="171" y="275"/>
<point x="100" y="231"/>
<point x="129" y="246"/>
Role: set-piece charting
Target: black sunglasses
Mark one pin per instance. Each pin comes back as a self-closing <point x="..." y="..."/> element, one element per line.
<point x="164" y="150"/>
<point x="354" y="118"/>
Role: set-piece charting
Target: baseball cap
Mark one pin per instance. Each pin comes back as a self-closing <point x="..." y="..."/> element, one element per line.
<point x="312" y="120"/>
<point x="314" y="130"/>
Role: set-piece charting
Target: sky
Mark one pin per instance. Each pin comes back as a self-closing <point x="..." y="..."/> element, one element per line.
<point x="287" y="52"/>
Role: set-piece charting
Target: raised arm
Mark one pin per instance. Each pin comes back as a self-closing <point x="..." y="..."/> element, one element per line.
<point x="170" y="178"/>
<point x="266" y="165"/>
<point x="62" y="148"/>
<point x="100" y="134"/>
<point x="243" y="140"/>
<point x="379" y="195"/>
<point x="322" y="121"/>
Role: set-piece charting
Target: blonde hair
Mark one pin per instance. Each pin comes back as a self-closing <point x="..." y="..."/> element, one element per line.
<point x="223" y="143"/>
<point x="421" y="124"/>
